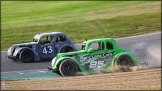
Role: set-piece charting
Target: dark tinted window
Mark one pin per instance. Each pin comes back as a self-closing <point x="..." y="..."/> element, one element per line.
<point x="109" y="45"/>
<point x="83" y="46"/>
<point x="60" y="38"/>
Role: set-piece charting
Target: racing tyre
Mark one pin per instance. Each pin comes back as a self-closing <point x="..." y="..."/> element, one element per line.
<point x="26" y="56"/>
<point x="124" y="61"/>
<point x="68" y="68"/>
<point x="66" y="49"/>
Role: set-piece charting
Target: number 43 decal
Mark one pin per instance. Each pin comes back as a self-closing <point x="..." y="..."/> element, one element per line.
<point x="47" y="50"/>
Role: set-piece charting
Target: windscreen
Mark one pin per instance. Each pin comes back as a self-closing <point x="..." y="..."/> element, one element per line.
<point x="36" y="38"/>
<point x="83" y="46"/>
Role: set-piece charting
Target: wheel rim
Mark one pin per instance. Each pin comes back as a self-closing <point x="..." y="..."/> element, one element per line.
<point x="68" y="68"/>
<point x="124" y="61"/>
<point x="26" y="56"/>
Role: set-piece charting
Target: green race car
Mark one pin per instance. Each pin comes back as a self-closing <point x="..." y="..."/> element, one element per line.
<point x="94" y="54"/>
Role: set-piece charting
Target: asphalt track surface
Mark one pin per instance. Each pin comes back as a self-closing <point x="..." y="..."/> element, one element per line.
<point x="135" y="44"/>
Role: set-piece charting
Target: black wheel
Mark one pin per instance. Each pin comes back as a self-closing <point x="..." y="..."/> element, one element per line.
<point x="124" y="60"/>
<point x="66" y="49"/>
<point x="26" y="56"/>
<point x="68" y="68"/>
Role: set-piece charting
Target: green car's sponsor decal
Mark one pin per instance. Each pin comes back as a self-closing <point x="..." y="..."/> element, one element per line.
<point x="96" y="61"/>
<point x="88" y="56"/>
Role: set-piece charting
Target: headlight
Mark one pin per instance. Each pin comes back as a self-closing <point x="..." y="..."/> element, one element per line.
<point x="9" y="51"/>
<point x="53" y="61"/>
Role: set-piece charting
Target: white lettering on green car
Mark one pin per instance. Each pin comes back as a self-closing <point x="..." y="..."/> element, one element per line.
<point x="97" y="60"/>
<point x="82" y="58"/>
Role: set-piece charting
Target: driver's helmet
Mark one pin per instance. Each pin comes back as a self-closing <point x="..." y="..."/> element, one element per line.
<point x="51" y="38"/>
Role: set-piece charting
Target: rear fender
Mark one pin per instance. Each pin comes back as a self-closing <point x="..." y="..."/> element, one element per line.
<point x="136" y="63"/>
<point x="75" y="49"/>
<point x="59" y="50"/>
<point x="56" y="66"/>
<point x="18" y="51"/>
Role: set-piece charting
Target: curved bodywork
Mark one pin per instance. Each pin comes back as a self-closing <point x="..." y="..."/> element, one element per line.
<point x="94" y="54"/>
<point x="43" y="46"/>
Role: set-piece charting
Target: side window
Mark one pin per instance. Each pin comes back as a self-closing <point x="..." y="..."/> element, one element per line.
<point x="97" y="46"/>
<point x="51" y="38"/>
<point x="109" y="45"/>
<point x="60" y="38"/>
<point x="46" y="39"/>
<point x="101" y="45"/>
<point x="43" y="39"/>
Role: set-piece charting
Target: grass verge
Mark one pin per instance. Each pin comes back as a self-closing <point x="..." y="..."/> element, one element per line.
<point x="20" y="21"/>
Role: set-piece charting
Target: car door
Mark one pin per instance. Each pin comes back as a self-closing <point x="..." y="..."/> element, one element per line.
<point x="98" y="56"/>
<point x="46" y="47"/>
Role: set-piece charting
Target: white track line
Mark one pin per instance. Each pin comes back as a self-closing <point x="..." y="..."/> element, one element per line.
<point x="132" y="36"/>
<point x="137" y="36"/>
<point x="26" y="70"/>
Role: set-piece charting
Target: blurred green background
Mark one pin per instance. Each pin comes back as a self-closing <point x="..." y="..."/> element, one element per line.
<point x="21" y="20"/>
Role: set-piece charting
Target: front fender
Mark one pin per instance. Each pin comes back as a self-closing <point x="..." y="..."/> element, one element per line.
<point x="63" y="58"/>
<point x="19" y="49"/>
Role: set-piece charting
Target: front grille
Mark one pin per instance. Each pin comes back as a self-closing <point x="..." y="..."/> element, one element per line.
<point x="55" y="60"/>
<point x="13" y="50"/>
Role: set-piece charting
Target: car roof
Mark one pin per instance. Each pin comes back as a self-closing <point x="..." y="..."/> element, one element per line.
<point x="100" y="39"/>
<point x="49" y="33"/>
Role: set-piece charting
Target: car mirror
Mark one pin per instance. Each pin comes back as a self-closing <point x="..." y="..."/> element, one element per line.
<point x="90" y="50"/>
